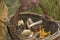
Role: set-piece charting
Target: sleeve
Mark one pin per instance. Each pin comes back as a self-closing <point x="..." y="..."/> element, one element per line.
<point x="3" y="18"/>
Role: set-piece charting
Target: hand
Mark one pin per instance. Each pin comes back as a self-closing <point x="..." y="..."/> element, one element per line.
<point x="27" y="4"/>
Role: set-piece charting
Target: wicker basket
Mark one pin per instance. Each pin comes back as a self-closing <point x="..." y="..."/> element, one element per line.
<point x="48" y="25"/>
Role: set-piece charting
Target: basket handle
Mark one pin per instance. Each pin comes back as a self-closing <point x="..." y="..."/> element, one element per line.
<point x="45" y="10"/>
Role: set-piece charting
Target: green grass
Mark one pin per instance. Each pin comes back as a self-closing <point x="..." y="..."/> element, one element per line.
<point x="52" y="5"/>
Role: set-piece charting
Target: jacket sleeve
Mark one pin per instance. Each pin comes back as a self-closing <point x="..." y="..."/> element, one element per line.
<point x="3" y="18"/>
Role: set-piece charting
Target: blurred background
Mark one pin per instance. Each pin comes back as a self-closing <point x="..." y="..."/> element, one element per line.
<point x="52" y="5"/>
